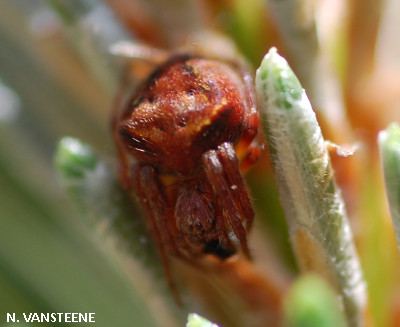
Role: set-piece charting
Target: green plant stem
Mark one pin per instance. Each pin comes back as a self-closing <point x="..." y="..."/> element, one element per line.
<point x="93" y="29"/>
<point x="248" y="21"/>
<point x="295" y="21"/>
<point x="318" y="225"/>
<point x="389" y="146"/>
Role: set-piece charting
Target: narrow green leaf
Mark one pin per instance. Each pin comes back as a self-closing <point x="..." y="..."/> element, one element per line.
<point x="389" y="145"/>
<point x="318" y="224"/>
<point x="296" y="25"/>
<point x="93" y="29"/>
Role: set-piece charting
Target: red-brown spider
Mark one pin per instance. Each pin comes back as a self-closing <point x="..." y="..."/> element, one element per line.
<point x="190" y="127"/>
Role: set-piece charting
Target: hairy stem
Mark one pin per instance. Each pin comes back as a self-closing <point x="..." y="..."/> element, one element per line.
<point x="318" y="224"/>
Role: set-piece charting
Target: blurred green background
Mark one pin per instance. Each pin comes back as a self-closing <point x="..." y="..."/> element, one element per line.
<point x="49" y="259"/>
<point x="48" y="263"/>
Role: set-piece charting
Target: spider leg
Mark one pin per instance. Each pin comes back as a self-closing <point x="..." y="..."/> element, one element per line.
<point x="123" y="161"/>
<point x="149" y="191"/>
<point x="251" y="118"/>
<point x="222" y="170"/>
<point x="230" y="163"/>
<point x="225" y="246"/>
<point x="249" y="145"/>
<point x="251" y="156"/>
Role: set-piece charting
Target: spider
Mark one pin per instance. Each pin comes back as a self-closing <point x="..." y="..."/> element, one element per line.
<point x="183" y="138"/>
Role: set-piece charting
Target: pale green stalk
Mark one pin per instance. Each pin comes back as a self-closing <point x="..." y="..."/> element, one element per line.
<point x="318" y="225"/>
<point x="296" y="25"/>
<point x="93" y="29"/>
<point x="389" y="146"/>
<point x="247" y="20"/>
<point x="304" y="40"/>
